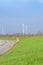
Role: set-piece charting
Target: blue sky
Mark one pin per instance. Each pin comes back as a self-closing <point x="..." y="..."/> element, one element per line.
<point x="13" y="13"/>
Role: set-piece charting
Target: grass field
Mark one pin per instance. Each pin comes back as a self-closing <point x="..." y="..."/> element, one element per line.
<point x="10" y="38"/>
<point x="29" y="51"/>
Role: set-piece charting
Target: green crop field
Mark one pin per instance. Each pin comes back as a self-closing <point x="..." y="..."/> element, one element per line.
<point x="29" y="51"/>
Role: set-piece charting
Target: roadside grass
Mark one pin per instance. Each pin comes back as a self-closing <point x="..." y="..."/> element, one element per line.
<point x="29" y="51"/>
<point x="7" y="38"/>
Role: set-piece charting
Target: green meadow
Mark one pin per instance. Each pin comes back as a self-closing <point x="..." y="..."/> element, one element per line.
<point x="29" y="51"/>
<point x="7" y="38"/>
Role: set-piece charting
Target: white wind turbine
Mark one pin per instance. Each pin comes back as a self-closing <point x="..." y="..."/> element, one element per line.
<point x="23" y="28"/>
<point x="26" y="29"/>
<point x="2" y="29"/>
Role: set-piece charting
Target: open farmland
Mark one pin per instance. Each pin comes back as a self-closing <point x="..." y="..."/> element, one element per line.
<point x="29" y="51"/>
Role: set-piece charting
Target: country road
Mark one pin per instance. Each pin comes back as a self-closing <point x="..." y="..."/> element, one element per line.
<point x="5" y="45"/>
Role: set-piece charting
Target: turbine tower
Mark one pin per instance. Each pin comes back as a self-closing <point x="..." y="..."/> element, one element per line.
<point x="2" y="29"/>
<point x="23" y="28"/>
<point x="26" y="29"/>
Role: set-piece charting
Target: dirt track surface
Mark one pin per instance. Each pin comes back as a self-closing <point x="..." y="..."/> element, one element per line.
<point x="5" y="45"/>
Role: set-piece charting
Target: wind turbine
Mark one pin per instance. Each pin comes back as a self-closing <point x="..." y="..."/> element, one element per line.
<point x="2" y="29"/>
<point x="23" y="28"/>
<point x="26" y="29"/>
